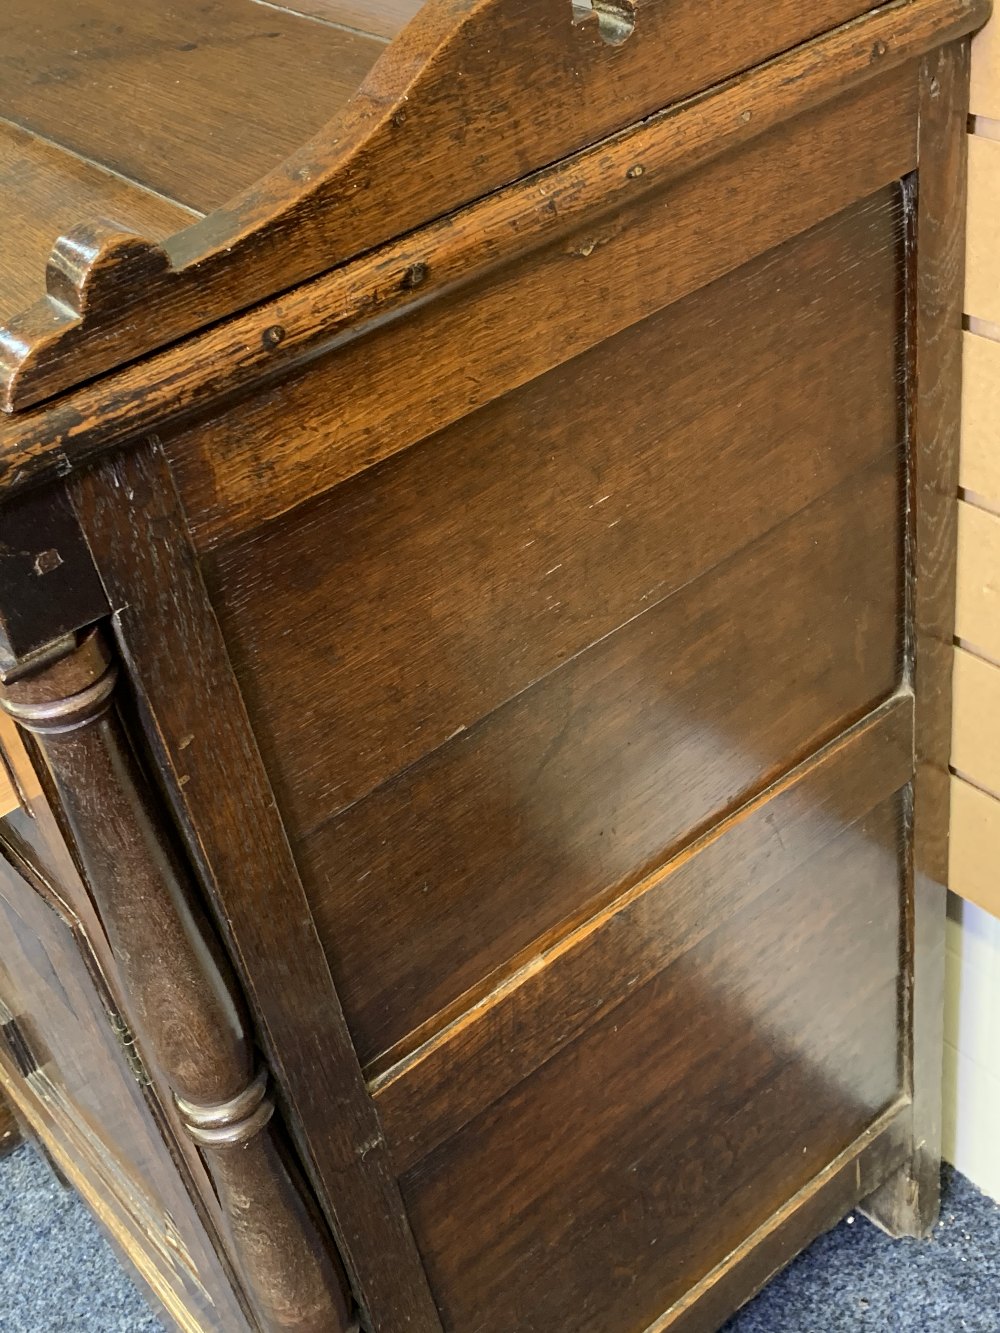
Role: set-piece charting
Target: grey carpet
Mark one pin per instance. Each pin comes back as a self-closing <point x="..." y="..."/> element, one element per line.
<point x="57" y="1274"/>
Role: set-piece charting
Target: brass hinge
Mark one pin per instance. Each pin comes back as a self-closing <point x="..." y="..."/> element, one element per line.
<point x="126" y="1040"/>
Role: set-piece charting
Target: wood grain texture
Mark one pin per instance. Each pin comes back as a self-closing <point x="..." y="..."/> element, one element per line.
<point x="469" y="349"/>
<point x="379" y="18"/>
<point x="570" y="1206"/>
<point x="560" y="992"/>
<point x="33" y="841"/>
<point x="197" y="731"/>
<point x="85" y="1098"/>
<point x="514" y="582"/>
<point x="909" y="1204"/>
<point x="525" y="821"/>
<point x="215" y="94"/>
<point x="297" y="222"/>
<point x="45" y="193"/>
<point x="984" y="97"/>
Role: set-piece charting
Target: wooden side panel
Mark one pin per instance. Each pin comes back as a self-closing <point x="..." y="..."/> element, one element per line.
<point x="369" y="627"/>
<point x="504" y="835"/>
<point x="213" y="95"/>
<point x="45" y="193"/>
<point x="270" y="451"/>
<point x="561" y="991"/>
<point x="639" y="1157"/>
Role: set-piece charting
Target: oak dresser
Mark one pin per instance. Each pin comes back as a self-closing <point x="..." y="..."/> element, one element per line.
<point x="477" y="536"/>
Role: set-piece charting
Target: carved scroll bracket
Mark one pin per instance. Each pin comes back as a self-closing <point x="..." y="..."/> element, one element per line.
<point x="187" y="1008"/>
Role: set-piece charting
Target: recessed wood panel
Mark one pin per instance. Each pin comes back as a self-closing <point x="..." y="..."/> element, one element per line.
<point x="558" y="993"/>
<point x="519" y="825"/>
<point x="372" y="625"/>
<point x="603" y="1187"/>
<point x="312" y="429"/>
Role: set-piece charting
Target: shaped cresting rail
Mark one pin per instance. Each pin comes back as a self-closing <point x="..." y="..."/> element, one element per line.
<point x="181" y="994"/>
<point x="470" y="96"/>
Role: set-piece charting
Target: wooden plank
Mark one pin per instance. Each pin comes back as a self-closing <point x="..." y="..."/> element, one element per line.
<point x="977" y="617"/>
<point x="194" y="721"/>
<point x="351" y="191"/>
<point x="378" y="18"/>
<point x="980" y="452"/>
<point x="982" y="282"/>
<point x="450" y="356"/>
<point x="562" y="991"/>
<point x="527" y="822"/>
<point x="819" y="1206"/>
<point x="974" y="868"/>
<point x="985" y="95"/>
<point x="975" y="732"/>
<point x="214" y="96"/>
<point x="45" y="192"/>
<point x="909" y="1202"/>
<point x="570" y="1205"/>
<point x="525" y="532"/>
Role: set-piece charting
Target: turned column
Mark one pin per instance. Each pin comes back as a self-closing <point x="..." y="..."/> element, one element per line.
<point x="182" y="994"/>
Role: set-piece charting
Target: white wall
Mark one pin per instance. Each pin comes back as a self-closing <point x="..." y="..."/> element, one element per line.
<point x="972" y="1045"/>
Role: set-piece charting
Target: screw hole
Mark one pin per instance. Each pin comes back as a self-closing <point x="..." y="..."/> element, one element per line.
<point x="615" y="18"/>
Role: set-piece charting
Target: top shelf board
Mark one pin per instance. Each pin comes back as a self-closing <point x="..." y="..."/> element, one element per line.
<point x="293" y="139"/>
<point x="195" y="101"/>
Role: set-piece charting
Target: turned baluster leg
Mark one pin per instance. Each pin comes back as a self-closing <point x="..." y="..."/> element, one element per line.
<point x="182" y="993"/>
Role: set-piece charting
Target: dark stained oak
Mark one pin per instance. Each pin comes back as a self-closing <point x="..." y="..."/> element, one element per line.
<point x="816" y="1208"/>
<point x="338" y="193"/>
<point x="196" y="727"/>
<point x="909" y="1203"/>
<point x="213" y="95"/>
<point x="46" y="192"/>
<point x="517" y="826"/>
<point x="524" y="533"/>
<point x="637" y="1158"/>
<point x="53" y="990"/>
<point x="380" y="18"/>
<point x="467" y="349"/>
<point x="558" y="992"/>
